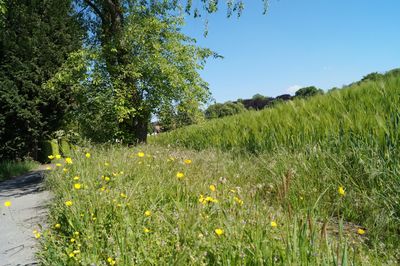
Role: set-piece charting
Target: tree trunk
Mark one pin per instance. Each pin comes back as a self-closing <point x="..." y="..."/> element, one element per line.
<point x="140" y="129"/>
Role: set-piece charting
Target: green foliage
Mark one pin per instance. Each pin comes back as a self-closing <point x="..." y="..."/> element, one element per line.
<point x="36" y="38"/>
<point x="219" y="110"/>
<point x="308" y="92"/>
<point x="147" y="63"/>
<point x="65" y="147"/>
<point x="259" y="97"/>
<point x="9" y="169"/>
<point x="47" y="148"/>
<point x="297" y="192"/>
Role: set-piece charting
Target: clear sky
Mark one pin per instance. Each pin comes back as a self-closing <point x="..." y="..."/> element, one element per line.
<point x="298" y="43"/>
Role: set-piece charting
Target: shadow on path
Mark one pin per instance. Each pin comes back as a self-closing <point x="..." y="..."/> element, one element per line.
<point x="28" y="211"/>
<point x="23" y="185"/>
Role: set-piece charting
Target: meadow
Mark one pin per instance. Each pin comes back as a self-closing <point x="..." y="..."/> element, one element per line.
<point x="311" y="182"/>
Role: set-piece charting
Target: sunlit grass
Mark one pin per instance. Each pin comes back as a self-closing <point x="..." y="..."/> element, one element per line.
<point x="145" y="205"/>
<point x="9" y="169"/>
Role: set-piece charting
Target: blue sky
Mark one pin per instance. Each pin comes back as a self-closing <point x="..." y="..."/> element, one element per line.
<point x="298" y="43"/>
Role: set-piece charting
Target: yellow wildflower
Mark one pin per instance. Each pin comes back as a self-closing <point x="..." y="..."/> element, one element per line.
<point x="71" y="255"/>
<point x="72" y="240"/>
<point x="180" y="175"/>
<point x="51" y="157"/>
<point x="68" y="203"/>
<point x="238" y="201"/>
<point x="147" y="213"/>
<point x="77" y="186"/>
<point x="36" y="234"/>
<point x="212" y="188"/>
<point x="123" y="195"/>
<point x="210" y="199"/>
<point x="58" y="156"/>
<point x="360" y="231"/>
<point x="76" y="178"/>
<point x="201" y="199"/>
<point x="65" y="170"/>
<point x="341" y="191"/>
<point x="140" y="154"/>
<point x="87" y="155"/>
<point x="274" y="224"/>
<point x="7" y="203"/>
<point x="107" y="179"/>
<point x="103" y="188"/>
<point x="146" y="230"/>
<point x="187" y="161"/>
<point x="76" y="233"/>
<point x="68" y="160"/>
<point x="48" y="168"/>
<point x="111" y="261"/>
<point x="219" y="231"/>
<point x="57" y="226"/>
<point x="58" y="164"/>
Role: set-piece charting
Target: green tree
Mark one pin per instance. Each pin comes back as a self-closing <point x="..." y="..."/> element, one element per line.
<point x="219" y="110"/>
<point x="308" y="92"/>
<point x="149" y="61"/>
<point x="36" y="39"/>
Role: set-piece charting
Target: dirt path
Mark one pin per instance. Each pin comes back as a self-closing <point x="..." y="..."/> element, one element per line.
<point x="28" y="209"/>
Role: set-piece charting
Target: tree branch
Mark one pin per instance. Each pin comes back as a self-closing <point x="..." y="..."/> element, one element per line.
<point x="95" y="9"/>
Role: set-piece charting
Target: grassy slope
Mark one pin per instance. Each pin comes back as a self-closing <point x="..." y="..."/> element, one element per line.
<point x="286" y="164"/>
<point x="366" y="114"/>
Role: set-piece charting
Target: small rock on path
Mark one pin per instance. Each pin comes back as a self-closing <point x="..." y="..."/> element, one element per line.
<point x="27" y="211"/>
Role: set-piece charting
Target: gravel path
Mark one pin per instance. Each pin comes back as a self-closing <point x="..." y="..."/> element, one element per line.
<point x="28" y="209"/>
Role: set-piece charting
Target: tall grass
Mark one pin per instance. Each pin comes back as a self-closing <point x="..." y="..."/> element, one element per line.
<point x="362" y="115"/>
<point x="349" y="137"/>
<point x="268" y="216"/>
<point x="9" y="169"/>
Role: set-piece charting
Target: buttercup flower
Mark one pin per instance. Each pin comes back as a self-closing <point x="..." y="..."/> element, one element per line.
<point x="140" y="154"/>
<point x="77" y="186"/>
<point x="187" y="161"/>
<point x="58" y="156"/>
<point x="147" y="213"/>
<point x="212" y="188"/>
<point x="36" y="234"/>
<point x="51" y="157"/>
<point x="274" y="224"/>
<point x="341" y="191"/>
<point x="7" y="203"/>
<point x="219" y="231"/>
<point x="238" y="201"/>
<point x="87" y="155"/>
<point x="68" y="203"/>
<point x="68" y="160"/>
<point x="360" y="231"/>
<point x="180" y="175"/>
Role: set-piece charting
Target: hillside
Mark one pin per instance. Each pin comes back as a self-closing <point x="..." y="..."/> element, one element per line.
<point x="306" y="183"/>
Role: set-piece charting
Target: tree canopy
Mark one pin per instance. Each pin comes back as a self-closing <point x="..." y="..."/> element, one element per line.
<point x="33" y="45"/>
